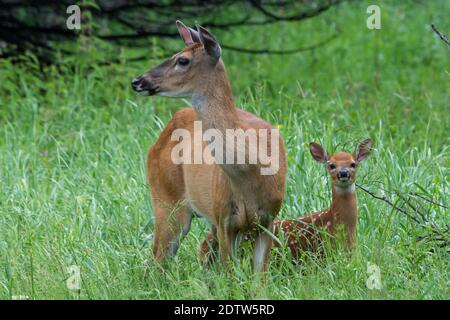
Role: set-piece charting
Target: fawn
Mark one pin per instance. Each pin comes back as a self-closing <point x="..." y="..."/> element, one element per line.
<point x="299" y="236"/>
<point x="302" y="234"/>
<point x="232" y="197"/>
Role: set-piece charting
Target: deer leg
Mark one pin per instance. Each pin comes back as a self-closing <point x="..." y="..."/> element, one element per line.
<point x="209" y="248"/>
<point x="170" y="228"/>
<point x="224" y="246"/>
<point x="261" y="251"/>
<point x="227" y="239"/>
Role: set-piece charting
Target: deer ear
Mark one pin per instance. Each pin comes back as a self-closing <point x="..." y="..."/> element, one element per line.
<point x="184" y="33"/>
<point x="194" y="34"/>
<point x="210" y="43"/>
<point x="318" y="152"/>
<point x="363" y="150"/>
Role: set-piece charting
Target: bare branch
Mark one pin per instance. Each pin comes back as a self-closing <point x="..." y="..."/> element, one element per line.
<point x="414" y="194"/>
<point x="299" y="16"/>
<point x="33" y="25"/>
<point x="442" y="36"/>
<point x="437" y="235"/>
<point x="279" y="52"/>
<point x="383" y="198"/>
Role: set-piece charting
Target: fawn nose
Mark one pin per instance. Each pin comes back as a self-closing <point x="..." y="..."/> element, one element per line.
<point x="343" y="175"/>
<point x="136" y="83"/>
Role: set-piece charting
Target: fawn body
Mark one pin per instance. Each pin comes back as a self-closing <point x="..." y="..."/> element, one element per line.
<point x="233" y="197"/>
<point x="342" y="168"/>
<point x="302" y="234"/>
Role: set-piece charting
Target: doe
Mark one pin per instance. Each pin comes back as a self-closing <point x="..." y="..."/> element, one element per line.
<point x="232" y="197"/>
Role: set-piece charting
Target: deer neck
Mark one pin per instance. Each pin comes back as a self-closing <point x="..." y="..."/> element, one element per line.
<point x="343" y="205"/>
<point x="215" y="109"/>
<point x="214" y="103"/>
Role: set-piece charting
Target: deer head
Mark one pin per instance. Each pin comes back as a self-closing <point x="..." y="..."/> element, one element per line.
<point x="186" y="72"/>
<point x="342" y="166"/>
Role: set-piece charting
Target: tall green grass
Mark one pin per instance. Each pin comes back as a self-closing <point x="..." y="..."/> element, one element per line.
<point x="74" y="137"/>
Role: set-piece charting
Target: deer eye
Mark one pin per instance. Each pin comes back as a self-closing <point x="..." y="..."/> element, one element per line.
<point x="353" y="165"/>
<point x="182" y="61"/>
<point x="332" y="166"/>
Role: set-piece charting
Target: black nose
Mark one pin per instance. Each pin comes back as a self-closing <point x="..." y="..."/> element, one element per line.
<point x="343" y="174"/>
<point x="136" y="83"/>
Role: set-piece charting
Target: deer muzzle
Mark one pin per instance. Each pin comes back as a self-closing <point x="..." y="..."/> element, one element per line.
<point x="144" y="86"/>
<point x="343" y="175"/>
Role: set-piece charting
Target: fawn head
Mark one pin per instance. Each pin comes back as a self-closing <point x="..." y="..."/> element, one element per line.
<point x="341" y="166"/>
<point x="185" y="72"/>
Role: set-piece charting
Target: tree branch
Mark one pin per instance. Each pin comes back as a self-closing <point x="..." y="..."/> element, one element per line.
<point x="280" y="52"/>
<point x="426" y="224"/>
<point x="132" y="20"/>
<point x="442" y="36"/>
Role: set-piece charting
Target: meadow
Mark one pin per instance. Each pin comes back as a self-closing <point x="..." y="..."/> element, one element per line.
<point x="74" y="139"/>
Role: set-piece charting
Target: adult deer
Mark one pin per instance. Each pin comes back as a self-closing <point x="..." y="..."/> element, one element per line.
<point x="233" y="197"/>
<point x="302" y="234"/>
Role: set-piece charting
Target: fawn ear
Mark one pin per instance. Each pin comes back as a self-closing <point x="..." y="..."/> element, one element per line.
<point x="184" y="33"/>
<point x="363" y="150"/>
<point x="210" y="43"/>
<point x="318" y="152"/>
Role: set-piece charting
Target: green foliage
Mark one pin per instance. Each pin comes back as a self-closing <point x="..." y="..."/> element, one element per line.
<point x="74" y="137"/>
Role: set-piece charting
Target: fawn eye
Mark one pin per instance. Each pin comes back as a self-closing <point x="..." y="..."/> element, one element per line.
<point x="353" y="165"/>
<point x="332" y="166"/>
<point x="182" y="61"/>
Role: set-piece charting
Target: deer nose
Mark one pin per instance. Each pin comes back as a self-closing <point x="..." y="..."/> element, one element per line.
<point x="136" y="83"/>
<point x="343" y="175"/>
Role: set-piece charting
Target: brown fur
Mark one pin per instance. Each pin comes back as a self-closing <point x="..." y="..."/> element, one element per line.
<point x="233" y="198"/>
